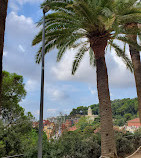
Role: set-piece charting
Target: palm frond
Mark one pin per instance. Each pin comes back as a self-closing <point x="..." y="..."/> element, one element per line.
<point x="130" y="18"/>
<point x="64" y="47"/>
<point x="72" y="20"/>
<point x="56" y="4"/>
<point x="38" y="56"/>
<point x="37" y="39"/>
<point x="120" y="53"/>
<point x="134" y="44"/>
<point x="92" y="58"/>
<point x="78" y="59"/>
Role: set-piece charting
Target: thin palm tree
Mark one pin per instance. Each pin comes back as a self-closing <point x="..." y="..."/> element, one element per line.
<point x="129" y="14"/>
<point x="3" y="13"/>
<point x="88" y="26"/>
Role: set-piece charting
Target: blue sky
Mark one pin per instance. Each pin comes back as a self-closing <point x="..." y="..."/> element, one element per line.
<point x="62" y="90"/>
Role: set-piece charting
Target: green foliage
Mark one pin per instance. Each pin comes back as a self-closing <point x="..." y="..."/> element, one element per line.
<point x="31" y="145"/>
<point x="77" y="144"/>
<point x="15" y="137"/>
<point x="89" y="130"/>
<point x="13" y="87"/>
<point x="82" y="144"/>
<point x="79" y="111"/>
<point x="124" y="146"/>
<point x="12" y="93"/>
<point x="127" y="143"/>
<point x="82" y="123"/>
<point x="128" y="12"/>
<point x="75" y="24"/>
<point x="96" y="122"/>
<point x="123" y="110"/>
<point x="15" y="127"/>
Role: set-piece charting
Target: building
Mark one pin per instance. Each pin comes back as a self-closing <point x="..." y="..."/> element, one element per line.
<point x="133" y="125"/>
<point x="90" y="116"/>
<point x="35" y="124"/>
<point x="68" y="123"/>
<point x="73" y="128"/>
<point x="63" y="127"/>
<point x="135" y="122"/>
<point x="48" y="128"/>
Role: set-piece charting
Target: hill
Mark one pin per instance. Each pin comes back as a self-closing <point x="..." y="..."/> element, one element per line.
<point x="123" y="110"/>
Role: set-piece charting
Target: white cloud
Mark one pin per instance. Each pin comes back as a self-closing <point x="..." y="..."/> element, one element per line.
<point x="85" y="72"/>
<point x="20" y="31"/>
<point x="31" y="85"/>
<point x="20" y="27"/>
<point x="16" y="4"/>
<point x="119" y="76"/>
<point x="13" y="6"/>
<point x="92" y="90"/>
<point x="56" y="94"/>
<point x="21" y="48"/>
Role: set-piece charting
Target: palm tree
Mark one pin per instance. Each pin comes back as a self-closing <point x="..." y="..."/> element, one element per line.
<point x="86" y="25"/>
<point x="3" y="13"/>
<point x="129" y="16"/>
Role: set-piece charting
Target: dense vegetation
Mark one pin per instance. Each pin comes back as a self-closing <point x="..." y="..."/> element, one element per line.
<point x="123" y="110"/>
<point x="17" y="135"/>
<point x="84" y="144"/>
<point x="16" y="131"/>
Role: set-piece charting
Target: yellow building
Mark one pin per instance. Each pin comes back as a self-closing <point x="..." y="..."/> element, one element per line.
<point x="49" y="128"/>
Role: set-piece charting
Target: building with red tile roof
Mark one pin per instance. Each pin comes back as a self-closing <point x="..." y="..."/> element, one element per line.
<point x="73" y="128"/>
<point x="133" y="125"/>
<point x="134" y="122"/>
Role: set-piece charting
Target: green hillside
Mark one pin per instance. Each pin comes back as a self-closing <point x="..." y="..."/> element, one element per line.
<point x="123" y="110"/>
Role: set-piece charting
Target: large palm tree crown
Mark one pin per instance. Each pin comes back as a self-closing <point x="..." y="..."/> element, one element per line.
<point x="88" y="25"/>
<point x="129" y="15"/>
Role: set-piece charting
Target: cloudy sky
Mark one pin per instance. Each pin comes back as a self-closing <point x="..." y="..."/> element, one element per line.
<point x="62" y="90"/>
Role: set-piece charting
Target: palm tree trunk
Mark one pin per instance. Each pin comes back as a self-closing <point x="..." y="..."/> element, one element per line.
<point x="3" y="14"/>
<point x="108" y="147"/>
<point x="135" y="57"/>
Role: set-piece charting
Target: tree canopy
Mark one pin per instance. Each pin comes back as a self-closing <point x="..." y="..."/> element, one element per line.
<point x="13" y="92"/>
<point x="123" y="110"/>
<point x="75" y="24"/>
<point x="15" y="126"/>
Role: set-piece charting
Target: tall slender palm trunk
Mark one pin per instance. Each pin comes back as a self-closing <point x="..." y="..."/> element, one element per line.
<point x="135" y="57"/>
<point x="108" y="147"/>
<point x="3" y="14"/>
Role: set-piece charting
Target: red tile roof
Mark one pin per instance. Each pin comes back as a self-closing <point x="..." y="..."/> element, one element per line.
<point x="137" y="120"/>
<point x="46" y="122"/>
<point x="73" y="128"/>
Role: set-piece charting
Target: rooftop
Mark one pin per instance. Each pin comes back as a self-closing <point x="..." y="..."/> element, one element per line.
<point x="137" y="120"/>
